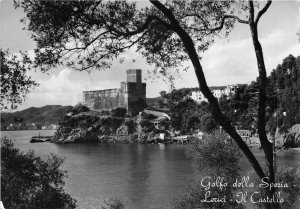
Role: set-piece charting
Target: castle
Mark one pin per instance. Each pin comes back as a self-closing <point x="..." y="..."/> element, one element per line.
<point x="131" y="95"/>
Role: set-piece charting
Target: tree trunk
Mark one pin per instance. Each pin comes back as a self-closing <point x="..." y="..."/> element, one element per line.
<point x="262" y="82"/>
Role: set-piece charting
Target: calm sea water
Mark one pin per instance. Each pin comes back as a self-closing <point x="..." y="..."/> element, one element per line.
<point x="141" y="176"/>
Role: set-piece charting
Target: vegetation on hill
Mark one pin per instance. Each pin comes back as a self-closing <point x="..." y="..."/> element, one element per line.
<point x="153" y="102"/>
<point x="284" y="94"/>
<point x="282" y="109"/>
<point x="38" y="115"/>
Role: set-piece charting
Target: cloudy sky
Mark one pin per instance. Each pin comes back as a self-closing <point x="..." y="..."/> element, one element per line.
<point x="228" y="61"/>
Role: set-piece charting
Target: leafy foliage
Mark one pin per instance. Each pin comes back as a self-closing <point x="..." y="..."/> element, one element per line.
<point x="214" y="156"/>
<point x="219" y="150"/>
<point x="284" y="86"/>
<point x="118" y="112"/>
<point x="79" y="108"/>
<point x="286" y="175"/>
<point x="88" y="34"/>
<point x="28" y="182"/>
<point x="14" y="82"/>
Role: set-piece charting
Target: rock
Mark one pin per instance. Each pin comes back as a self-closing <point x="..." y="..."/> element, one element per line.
<point x="290" y="139"/>
<point x="36" y="140"/>
<point x="48" y="140"/>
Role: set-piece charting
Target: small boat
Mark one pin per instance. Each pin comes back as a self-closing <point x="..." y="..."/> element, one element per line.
<point x="39" y="138"/>
<point x="36" y="140"/>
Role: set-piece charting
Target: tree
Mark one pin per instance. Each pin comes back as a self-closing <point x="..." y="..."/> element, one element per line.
<point x="88" y="34"/>
<point x="14" y="82"/>
<point x="28" y="182"/>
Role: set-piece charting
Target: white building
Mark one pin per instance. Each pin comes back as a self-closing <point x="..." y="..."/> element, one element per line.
<point x="198" y="97"/>
<point x="218" y="92"/>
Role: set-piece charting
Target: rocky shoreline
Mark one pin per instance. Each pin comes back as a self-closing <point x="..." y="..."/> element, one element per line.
<point x="82" y="125"/>
<point x="85" y="126"/>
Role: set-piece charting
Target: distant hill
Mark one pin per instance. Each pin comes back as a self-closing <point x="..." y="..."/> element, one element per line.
<point x="48" y="113"/>
<point x="152" y="102"/>
<point x="38" y="115"/>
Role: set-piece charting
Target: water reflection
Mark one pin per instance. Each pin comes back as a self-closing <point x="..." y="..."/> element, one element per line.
<point x="139" y="171"/>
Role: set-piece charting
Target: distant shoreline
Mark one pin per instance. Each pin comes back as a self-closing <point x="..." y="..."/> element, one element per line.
<point x="30" y="130"/>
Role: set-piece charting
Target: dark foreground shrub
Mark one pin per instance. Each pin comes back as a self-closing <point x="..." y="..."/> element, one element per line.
<point x="118" y="112"/>
<point x="288" y="178"/>
<point x="79" y="108"/>
<point x="215" y="156"/>
<point x="28" y="182"/>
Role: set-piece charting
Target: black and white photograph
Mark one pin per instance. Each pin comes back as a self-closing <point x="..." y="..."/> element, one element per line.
<point x="150" y="104"/>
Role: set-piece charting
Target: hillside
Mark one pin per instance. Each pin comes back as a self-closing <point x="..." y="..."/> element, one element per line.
<point x="152" y="102"/>
<point x="48" y="113"/>
<point x="38" y="115"/>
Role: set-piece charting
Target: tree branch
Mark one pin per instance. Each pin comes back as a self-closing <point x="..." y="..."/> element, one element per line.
<point x="142" y="28"/>
<point x="261" y="121"/>
<point x="229" y="17"/>
<point x="261" y="12"/>
<point x="251" y="12"/>
<point x="166" y="12"/>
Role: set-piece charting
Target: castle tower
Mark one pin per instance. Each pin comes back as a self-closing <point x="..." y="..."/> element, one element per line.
<point x="136" y="91"/>
<point x="134" y="75"/>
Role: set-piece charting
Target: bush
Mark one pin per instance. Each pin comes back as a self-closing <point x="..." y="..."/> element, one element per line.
<point x="292" y="141"/>
<point x="284" y="174"/>
<point x="28" y="182"/>
<point x="118" y="112"/>
<point x="79" y="108"/>
<point x="215" y="155"/>
<point x="131" y="126"/>
<point x="104" y="113"/>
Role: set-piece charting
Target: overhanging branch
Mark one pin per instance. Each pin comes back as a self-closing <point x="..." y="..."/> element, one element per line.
<point x="139" y="30"/>
<point x="168" y="13"/>
<point x="261" y="12"/>
<point x="229" y="17"/>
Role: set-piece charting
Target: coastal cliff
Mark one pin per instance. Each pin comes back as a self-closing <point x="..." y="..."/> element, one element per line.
<point x="82" y="125"/>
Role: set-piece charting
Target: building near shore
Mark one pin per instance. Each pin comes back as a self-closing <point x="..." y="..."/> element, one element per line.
<point x="218" y="92"/>
<point x="131" y="95"/>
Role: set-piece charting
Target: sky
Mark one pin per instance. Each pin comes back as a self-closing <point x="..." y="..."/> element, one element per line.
<point x="229" y="61"/>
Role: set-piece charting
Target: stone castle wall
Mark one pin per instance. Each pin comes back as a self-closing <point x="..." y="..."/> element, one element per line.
<point x="105" y="99"/>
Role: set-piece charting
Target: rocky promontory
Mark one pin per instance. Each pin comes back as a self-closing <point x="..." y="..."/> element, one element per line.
<point x="82" y="125"/>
